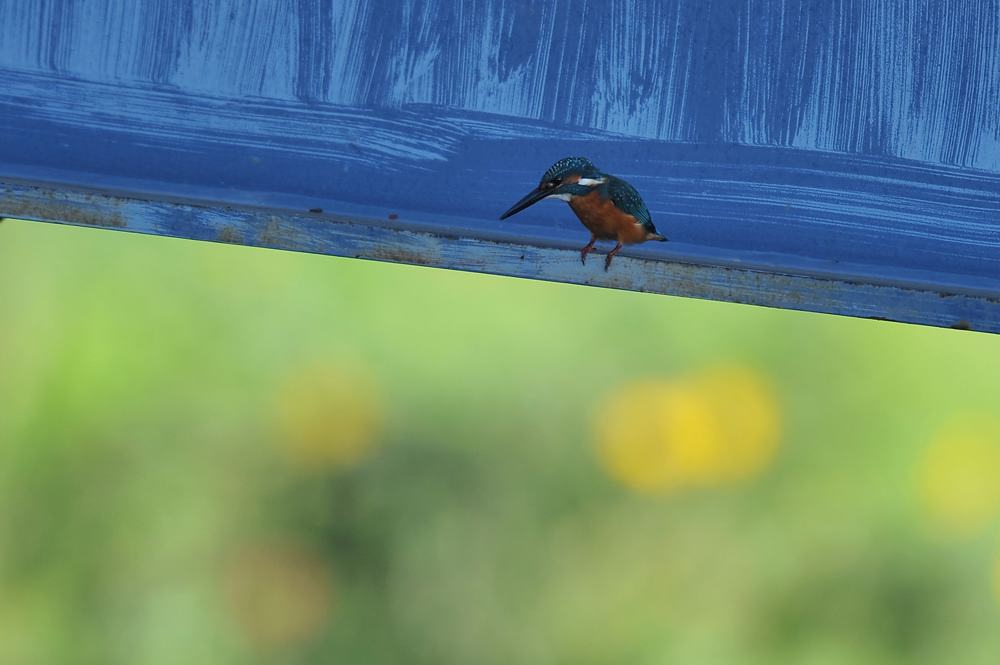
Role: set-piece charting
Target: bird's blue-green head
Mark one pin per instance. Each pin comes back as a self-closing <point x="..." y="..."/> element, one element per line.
<point x="570" y="176"/>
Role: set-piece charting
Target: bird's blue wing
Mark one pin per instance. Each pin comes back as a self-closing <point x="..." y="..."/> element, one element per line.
<point x="626" y="199"/>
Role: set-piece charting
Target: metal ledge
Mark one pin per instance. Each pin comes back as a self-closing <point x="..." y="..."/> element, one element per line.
<point x="357" y="237"/>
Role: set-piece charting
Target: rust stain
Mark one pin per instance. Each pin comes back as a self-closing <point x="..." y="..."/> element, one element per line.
<point x="404" y="255"/>
<point x="230" y="234"/>
<point x="417" y="249"/>
<point x="55" y="211"/>
<point x="961" y="325"/>
<point x="393" y="216"/>
<point x="281" y="233"/>
<point x="271" y="235"/>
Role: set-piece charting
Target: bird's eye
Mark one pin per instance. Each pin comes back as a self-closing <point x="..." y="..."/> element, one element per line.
<point x="554" y="182"/>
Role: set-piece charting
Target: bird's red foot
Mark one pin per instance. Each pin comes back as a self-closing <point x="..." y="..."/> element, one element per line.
<point x="587" y="250"/>
<point x="611" y="255"/>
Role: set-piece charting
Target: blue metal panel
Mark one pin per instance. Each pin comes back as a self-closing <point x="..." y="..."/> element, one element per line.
<point x="831" y="148"/>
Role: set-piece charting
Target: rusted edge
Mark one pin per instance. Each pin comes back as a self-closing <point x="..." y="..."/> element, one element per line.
<point x="347" y="236"/>
<point x="56" y="209"/>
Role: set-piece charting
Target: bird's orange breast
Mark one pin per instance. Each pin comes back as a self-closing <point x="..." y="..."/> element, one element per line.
<point x="605" y="220"/>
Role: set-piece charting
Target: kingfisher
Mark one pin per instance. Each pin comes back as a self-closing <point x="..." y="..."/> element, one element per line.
<point x="609" y="207"/>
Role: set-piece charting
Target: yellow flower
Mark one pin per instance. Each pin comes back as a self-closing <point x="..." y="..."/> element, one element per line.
<point x="328" y="417"/>
<point x="716" y="427"/>
<point x="748" y="417"/>
<point x="957" y="476"/>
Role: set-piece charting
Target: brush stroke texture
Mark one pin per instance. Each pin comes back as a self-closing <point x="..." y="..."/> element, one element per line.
<point x="915" y="79"/>
<point x="737" y="201"/>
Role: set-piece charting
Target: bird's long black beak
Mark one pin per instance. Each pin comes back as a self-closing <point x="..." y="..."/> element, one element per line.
<point x="530" y="199"/>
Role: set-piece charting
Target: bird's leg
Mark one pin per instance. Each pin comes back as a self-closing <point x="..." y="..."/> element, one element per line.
<point x="588" y="249"/>
<point x="611" y="255"/>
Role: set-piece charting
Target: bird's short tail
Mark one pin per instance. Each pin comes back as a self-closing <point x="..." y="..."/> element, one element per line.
<point x="657" y="236"/>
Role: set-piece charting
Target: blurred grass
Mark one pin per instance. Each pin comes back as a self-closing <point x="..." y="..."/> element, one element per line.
<point x="218" y="454"/>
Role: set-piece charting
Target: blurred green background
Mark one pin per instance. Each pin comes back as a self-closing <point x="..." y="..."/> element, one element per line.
<point x="213" y="454"/>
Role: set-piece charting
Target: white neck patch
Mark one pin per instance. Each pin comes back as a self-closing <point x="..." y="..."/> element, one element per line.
<point x="592" y="182"/>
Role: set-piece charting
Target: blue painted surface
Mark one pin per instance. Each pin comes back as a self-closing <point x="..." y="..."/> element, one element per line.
<point x="852" y="138"/>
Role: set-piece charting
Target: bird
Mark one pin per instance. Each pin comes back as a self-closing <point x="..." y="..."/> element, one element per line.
<point x="609" y="207"/>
